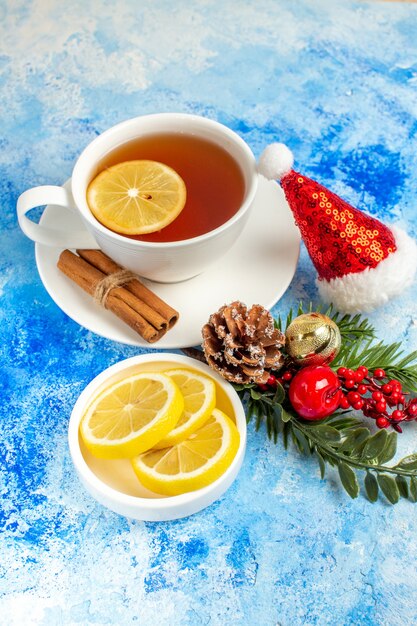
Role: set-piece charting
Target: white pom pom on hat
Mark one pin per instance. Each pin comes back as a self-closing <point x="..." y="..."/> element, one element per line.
<point x="275" y="161"/>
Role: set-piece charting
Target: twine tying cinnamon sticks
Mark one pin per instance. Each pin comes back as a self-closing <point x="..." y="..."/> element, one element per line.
<point x="117" y="279"/>
<point x="119" y="291"/>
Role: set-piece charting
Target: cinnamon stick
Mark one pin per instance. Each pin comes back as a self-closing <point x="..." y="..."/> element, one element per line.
<point x="119" y="300"/>
<point x="152" y="305"/>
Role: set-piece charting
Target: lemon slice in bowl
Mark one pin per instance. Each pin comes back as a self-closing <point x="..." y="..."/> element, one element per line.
<point x="194" y="462"/>
<point x="136" y="197"/>
<point x="199" y="395"/>
<point x="131" y="415"/>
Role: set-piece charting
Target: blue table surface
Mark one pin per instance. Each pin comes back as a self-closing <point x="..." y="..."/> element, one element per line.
<point x="337" y="82"/>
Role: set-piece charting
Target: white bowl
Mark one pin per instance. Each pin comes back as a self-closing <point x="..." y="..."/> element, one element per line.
<point x="114" y="483"/>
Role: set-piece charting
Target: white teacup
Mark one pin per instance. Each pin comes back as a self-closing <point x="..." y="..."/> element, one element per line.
<point x="163" y="262"/>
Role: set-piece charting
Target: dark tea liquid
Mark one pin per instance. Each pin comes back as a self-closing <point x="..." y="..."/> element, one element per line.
<point x="214" y="181"/>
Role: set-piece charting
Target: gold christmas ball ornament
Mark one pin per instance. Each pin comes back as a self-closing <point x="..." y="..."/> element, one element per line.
<point x="312" y="339"/>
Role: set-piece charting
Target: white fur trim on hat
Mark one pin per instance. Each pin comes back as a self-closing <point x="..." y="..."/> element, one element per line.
<point x="275" y="161"/>
<point x="365" y="291"/>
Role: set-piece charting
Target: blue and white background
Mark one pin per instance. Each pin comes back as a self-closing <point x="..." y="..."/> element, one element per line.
<point x="337" y="82"/>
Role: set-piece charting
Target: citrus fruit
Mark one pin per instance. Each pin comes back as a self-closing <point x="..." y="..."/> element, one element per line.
<point x="192" y="463"/>
<point x="136" y="197"/>
<point x="131" y="415"/>
<point x="199" y="395"/>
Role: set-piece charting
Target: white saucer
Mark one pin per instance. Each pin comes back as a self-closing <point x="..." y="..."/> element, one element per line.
<point x="256" y="270"/>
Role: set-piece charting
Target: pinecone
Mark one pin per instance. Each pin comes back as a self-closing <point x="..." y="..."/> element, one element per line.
<point x="241" y="344"/>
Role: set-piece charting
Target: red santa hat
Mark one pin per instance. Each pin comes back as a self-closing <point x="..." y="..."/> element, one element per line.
<point x="361" y="263"/>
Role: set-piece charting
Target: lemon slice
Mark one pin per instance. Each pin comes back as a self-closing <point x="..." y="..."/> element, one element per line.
<point x="131" y="415"/>
<point x="136" y="197"/>
<point x="193" y="463"/>
<point x="199" y="395"/>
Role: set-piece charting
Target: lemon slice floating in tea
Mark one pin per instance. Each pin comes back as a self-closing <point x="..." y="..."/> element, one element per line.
<point x="199" y="395"/>
<point x="136" y="197"/>
<point x="192" y="463"/>
<point x="131" y="415"/>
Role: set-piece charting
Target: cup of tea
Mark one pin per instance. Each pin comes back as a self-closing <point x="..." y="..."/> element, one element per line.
<point x="220" y="175"/>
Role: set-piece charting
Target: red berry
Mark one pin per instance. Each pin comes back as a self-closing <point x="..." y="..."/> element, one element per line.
<point x="358" y="405"/>
<point x="341" y="371"/>
<point x="387" y="388"/>
<point x="379" y="373"/>
<point x="412" y="409"/>
<point x="349" y="383"/>
<point x="358" y="376"/>
<point x="272" y="381"/>
<point x="394" y="397"/>
<point x="382" y="422"/>
<point x="401" y="398"/>
<point x="263" y="387"/>
<point x="381" y="406"/>
<point x="363" y="369"/>
<point x="345" y="404"/>
<point x="396" y="385"/>
<point x="353" y="397"/>
<point x="314" y="392"/>
<point x="397" y="415"/>
<point x="376" y="395"/>
<point x="287" y="376"/>
<point x="349" y="373"/>
<point x="362" y="389"/>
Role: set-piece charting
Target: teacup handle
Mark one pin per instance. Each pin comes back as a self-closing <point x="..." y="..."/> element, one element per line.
<point x="50" y="194"/>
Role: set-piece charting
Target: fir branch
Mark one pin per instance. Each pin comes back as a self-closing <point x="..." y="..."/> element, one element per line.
<point x="351" y="327"/>
<point x="341" y="441"/>
<point x="388" y="357"/>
